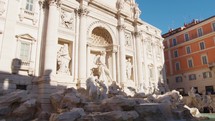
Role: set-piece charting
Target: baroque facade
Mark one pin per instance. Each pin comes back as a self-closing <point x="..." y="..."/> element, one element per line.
<point x="189" y="56"/>
<point x="54" y="43"/>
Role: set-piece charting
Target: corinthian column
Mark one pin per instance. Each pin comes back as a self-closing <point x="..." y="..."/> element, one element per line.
<point x="139" y="58"/>
<point x="82" y="45"/>
<point x="51" y="38"/>
<point x="121" y="29"/>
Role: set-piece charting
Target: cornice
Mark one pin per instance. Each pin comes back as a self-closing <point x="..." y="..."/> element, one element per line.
<point x="95" y="4"/>
<point x="191" y="28"/>
<point x="192" y="41"/>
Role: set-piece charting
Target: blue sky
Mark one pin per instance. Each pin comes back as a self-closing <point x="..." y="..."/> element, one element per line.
<point x="166" y="14"/>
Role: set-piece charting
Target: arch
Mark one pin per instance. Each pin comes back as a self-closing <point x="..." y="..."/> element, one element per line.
<point x="99" y="24"/>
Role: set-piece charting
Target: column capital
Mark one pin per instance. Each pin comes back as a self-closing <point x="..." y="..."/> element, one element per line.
<point x="121" y="27"/>
<point x="138" y="34"/>
<point x="115" y="48"/>
<point x="56" y="3"/>
<point x="82" y="11"/>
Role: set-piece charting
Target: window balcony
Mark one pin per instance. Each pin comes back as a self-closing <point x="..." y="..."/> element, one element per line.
<point x="26" y="14"/>
<point x="19" y="64"/>
<point x="211" y="65"/>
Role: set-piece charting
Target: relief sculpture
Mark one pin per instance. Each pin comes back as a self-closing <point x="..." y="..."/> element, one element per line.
<point x="67" y="19"/>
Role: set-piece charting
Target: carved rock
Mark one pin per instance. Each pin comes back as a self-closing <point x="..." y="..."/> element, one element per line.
<point x="16" y="96"/>
<point x="72" y="115"/>
<point x="119" y="103"/>
<point x="111" y="116"/>
<point x="55" y="99"/>
<point x="26" y="110"/>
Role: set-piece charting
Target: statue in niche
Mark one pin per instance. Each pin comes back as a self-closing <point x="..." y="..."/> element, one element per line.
<point x="103" y="71"/>
<point x="63" y="60"/>
<point x="67" y="19"/>
<point x="128" y="68"/>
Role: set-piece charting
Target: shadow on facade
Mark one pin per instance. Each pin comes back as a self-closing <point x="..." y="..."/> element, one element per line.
<point x="21" y="78"/>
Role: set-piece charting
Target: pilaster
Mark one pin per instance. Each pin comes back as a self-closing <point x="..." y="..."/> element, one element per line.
<point x="82" y="12"/>
<point x="121" y="30"/>
<point x="51" y="39"/>
<point x="114" y="51"/>
<point x="138" y="59"/>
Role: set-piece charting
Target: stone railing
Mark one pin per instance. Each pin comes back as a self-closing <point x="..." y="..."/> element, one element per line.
<point x="25" y="63"/>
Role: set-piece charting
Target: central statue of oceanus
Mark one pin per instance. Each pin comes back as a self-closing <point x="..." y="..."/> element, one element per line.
<point x="102" y="71"/>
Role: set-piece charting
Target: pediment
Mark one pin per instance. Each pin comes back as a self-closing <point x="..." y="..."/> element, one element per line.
<point x="26" y="36"/>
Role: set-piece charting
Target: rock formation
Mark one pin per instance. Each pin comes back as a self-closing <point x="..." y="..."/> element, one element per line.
<point x="84" y="105"/>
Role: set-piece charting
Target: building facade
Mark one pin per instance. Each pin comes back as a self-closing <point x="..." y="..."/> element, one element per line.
<point x="189" y="56"/>
<point x="46" y="44"/>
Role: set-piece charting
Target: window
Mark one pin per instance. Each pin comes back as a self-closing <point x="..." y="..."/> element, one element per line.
<point x="190" y="63"/>
<point x="207" y="74"/>
<point x="188" y="50"/>
<point x="202" y="45"/>
<point x="186" y="36"/>
<point x="21" y="87"/>
<point x="29" y="5"/>
<point x="177" y="66"/>
<point x="25" y="43"/>
<point x="25" y="51"/>
<point x="213" y="26"/>
<point x="174" y="42"/>
<point x="27" y="11"/>
<point x="178" y="79"/>
<point x="197" y="90"/>
<point x="176" y="53"/>
<point x="209" y="89"/>
<point x="192" y="77"/>
<point x="200" y="32"/>
<point x="204" y="59"/>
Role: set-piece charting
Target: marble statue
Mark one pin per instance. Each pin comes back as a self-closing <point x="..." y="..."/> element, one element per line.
<point x="201" y="102"/>
<point x="114" y="89"/>
<point x="103" y="71"/>
<point x="102" y="90"/>
<point x="137" y="11"/>
<point x="92" y="88"/>
<point x="120" y="4"/>
<point x="174" y="98"/>
<point x="128" y="68"/>
<point x="63" y="60"/>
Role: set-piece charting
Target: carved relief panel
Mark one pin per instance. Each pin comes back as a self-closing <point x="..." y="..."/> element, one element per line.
<point x="128" y="40"/>
<point x="67" y="19"/>
<point x="149" y="44"/>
